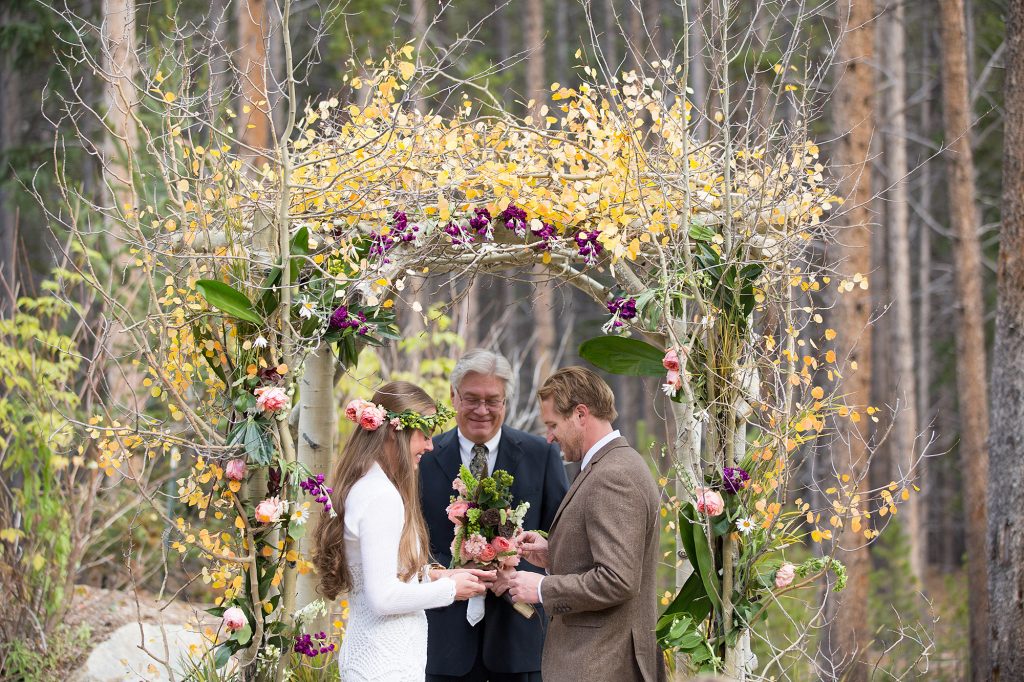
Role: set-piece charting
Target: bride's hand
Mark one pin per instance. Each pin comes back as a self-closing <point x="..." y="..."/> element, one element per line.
<point x="467" y="585"/>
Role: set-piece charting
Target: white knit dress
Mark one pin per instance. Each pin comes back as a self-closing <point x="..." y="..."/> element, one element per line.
<point x="386" y="636"/>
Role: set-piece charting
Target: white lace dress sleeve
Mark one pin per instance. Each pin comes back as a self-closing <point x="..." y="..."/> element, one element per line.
<point x="386" y="635"/>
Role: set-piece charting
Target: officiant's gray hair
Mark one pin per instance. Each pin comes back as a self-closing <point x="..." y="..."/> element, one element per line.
<point x="483" y="361"/>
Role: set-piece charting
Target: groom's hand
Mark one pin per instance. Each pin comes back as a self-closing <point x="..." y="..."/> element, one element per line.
<point x="523" y="587"/>
<point x="502" y="581"/>
<point x="533" y="547"/>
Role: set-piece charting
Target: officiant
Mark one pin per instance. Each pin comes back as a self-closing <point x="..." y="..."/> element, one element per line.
<point x="485" y="639"/>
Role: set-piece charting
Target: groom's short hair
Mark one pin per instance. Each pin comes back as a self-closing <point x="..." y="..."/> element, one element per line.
<point x="572" y="386"/>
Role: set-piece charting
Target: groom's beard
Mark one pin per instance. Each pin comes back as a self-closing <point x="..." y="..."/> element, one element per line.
<point x="572" y="446"/>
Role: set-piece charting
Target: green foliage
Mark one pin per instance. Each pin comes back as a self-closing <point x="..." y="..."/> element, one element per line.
<point x="621" y="355"/>
<point x="37" y="367"/>
<point x="22" y="661"/>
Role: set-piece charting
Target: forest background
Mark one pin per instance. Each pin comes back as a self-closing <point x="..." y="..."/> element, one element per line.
<point x="918" y="596"/>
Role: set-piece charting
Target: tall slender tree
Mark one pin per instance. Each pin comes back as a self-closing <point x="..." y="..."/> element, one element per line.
<point x="845" y="634"/>
<point x="253" y="33"/>
<point x="899" y="275"/>
<point x="1006" y="483"/>
<point x="970" y="320"/>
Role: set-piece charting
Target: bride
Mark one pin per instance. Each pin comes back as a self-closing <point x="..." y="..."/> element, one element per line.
<point x="374" y="548"/>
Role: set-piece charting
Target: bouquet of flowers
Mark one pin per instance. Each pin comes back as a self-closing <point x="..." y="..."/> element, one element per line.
<point x="486" y="524"/>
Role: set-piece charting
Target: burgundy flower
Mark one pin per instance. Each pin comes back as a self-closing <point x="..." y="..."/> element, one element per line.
<point x="734" y="479"/>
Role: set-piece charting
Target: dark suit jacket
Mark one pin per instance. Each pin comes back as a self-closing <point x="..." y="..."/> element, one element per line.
<point x="511" y="643"/>
<point x="603" y="553"/>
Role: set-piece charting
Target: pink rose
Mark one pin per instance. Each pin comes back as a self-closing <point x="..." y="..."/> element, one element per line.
<point x="269" y="510"/>
<point x="235" y="469"/>
<point x="459" y="487"/>
<point x="457" y="512"/>
<point x="674" y="379"/>
<point x="396" y="423"/>
<point x="271" y="398"/>
<point x="372" y="417"/>
<point x="501" y="545"/>
<point x="671" y="360"/>
<point x="784" y="576"/>
<point x="234" y="619"/>
<point x="709" y="501"/>
<point x="488" y="553"/>
<point x="354" y="409"/>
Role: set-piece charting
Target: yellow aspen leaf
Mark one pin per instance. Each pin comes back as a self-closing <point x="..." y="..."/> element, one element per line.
<point x="905" y="495"/>
<point x="816" y="535"/>
<point x="817" y="392"/>
<point x="830" y="334"/>
<point x="170" y="97"/>
<point x="406" y="69"/>
<point x="282" y="369"/>
<point x="830" y="356"/>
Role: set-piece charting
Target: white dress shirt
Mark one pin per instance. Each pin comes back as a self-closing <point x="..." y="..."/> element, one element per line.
<point x="466" y="450"/>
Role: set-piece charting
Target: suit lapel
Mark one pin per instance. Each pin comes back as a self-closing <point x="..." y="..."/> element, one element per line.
<point x="609" y="446"/>
<point x="447" y="454"/>
<point x="509" y="453"/>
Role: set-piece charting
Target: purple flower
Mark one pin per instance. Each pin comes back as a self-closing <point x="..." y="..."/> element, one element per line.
<point x="546" y="233"/>
<point x="459" y="236"/>
<point x="481" y="222"/>
<point x="621" y="308"/>
<point x="734" y="479"/>
<point x="314" y="486"/>
<point x="588" y="245"/>
<point x="313" y="645"/>
<point x="514" y="219"/>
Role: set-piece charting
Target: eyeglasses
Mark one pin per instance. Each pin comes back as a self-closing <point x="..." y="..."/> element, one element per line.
<point x="473" y="403"/>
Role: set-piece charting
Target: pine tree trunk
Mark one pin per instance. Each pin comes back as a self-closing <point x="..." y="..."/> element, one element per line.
<point x="1006" y="483"/>
<point x="254" y="111"/>
<point x="902" y="358"/>
<point x="970" y="321"/>
<point x="845" y="635"/>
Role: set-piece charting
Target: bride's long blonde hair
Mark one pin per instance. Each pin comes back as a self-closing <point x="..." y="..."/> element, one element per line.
<point x="390" y="449"/>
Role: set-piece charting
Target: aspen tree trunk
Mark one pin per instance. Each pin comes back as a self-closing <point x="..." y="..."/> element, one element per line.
<point x="1006" y="482"/>
<point x="10" y="124"/>
<point x="317" y="427"/>
<point x="901" y="325"/>
<point x="970" y="321"/>
<point x="845" y="635"/>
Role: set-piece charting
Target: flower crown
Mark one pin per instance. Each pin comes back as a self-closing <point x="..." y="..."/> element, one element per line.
<point x="370" y="417"/>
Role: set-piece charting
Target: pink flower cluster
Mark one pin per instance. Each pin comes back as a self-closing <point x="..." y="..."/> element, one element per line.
<point x="235" y="469"/>
<point x="784" y="576"/>
<point x="476" y="548"/>
<point x="674" y="377"/>
<point x="366" y="414"/>
<point x="457" y="512"/>
<point x="271" y="398"/>
<point x="270" y="510"/>
<point x="709" y="501"/>
<point x="234" y="619"/>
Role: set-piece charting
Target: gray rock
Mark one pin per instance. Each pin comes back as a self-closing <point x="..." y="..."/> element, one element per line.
<point x="119" y="658"/>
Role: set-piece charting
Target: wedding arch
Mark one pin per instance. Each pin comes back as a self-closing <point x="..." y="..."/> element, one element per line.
<point x="262" y="282"/>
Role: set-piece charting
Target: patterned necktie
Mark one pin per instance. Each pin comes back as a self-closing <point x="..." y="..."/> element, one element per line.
<point x="478" y="466"/>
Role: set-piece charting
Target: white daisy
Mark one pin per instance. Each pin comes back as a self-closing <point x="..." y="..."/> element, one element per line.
<point x="306" y="310"/>
<point x="744" y="525"/>
<point x="301" y="514"/>
<point x="260" y="342"/>
<point x="670" y="390"/>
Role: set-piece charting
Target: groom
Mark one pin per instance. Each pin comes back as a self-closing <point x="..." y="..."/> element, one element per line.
<point x="486" y="639"/>
<point x="602" y="550"/>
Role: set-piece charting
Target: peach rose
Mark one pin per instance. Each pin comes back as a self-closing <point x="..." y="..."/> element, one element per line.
<point x="271" y="398"/>
<point x="269" y="510"/>
<point x="784" y="576"/>
<point x="510" y="561"/>
<point x="235" y="469"/>
<point x="501" y="544"/>
<point x="234" y="619"/>
<point x="671" y="360"/>
<point x="709" y="501"/>
<point x="372" y="417"/>
<point x="488" y="553"/>
<point x="354" y="409"/>
<point x="457" y="512"/>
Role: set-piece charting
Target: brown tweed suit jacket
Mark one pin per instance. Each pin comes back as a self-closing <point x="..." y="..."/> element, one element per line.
<point x="600" y="593"/>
